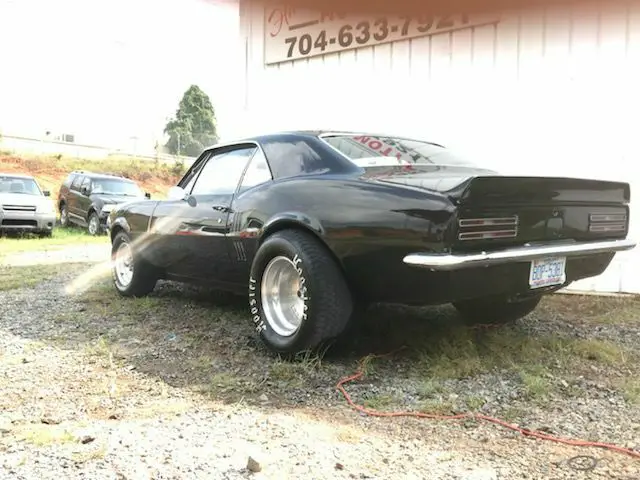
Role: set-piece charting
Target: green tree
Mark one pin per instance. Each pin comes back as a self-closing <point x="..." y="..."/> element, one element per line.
<point x="194" y="126"/>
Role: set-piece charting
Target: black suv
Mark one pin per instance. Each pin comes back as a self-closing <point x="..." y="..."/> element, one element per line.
<point x="86" y="198"/>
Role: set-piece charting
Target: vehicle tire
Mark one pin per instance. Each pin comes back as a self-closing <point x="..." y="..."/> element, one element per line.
<point x="64" y="215"/>
<point x="93" y="224"/>
<point x="495" y="310"/>
<point x="132" y="275"/>
<point x="45" y="234"/>
<point x="302" y="274"/>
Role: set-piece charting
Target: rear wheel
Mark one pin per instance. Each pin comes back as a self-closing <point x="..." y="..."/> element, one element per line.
<point x="298" y="296"/>
<point x="498" y="310"/>
<point x="132" y="275"/>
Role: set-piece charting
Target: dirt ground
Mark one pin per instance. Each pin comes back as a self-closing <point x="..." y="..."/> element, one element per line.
<point x="176" y="386"/>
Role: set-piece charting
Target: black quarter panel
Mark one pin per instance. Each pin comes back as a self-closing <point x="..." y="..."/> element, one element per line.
<point x="368" y="226"/>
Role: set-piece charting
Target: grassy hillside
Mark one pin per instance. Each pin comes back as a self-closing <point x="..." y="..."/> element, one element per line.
<point x="51" y="171"/>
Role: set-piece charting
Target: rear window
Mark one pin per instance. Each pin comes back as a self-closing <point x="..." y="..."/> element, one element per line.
<point x="375" y="150"/>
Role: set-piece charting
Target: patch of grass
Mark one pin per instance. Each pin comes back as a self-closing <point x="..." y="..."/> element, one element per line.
<point x="600" y="351"/>
<point x="13" y="278"/>
<point x="461" y="353"/>
<point x="475" y="402"/>
<point x="294" y="374"/>
<point x="101" y="348"/>
<point x="536" y="387"/>
<point x="61" y="238"/>
<point x="43" y="435"/>
<point x="380" y="402"/>
<point x="436" y="407"/>
<point x="429" y="388"/>
<point x="592" y="309"/>
<point x="631" y="391"/>
<point x="94" y="454"/>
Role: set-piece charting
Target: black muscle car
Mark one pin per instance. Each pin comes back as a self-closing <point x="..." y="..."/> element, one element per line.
<point x="313" y="225"/>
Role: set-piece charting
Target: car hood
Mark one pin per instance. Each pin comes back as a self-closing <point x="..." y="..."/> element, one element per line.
<point x="114" y="199"/>
<point x="22" y="199"/>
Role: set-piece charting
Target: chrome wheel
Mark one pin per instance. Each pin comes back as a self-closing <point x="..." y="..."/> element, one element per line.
<point x="282" y="296"/>
<point x="123" y="265"/>
<point x="94" y="224"/>
<point x="64" y="216"/>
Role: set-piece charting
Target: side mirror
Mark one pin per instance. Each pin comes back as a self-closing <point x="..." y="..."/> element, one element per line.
<point x="177" y="193"/>
<point x="85" y="190"/>
<point x="46" y="193"/>
<point x="147" y="195"/>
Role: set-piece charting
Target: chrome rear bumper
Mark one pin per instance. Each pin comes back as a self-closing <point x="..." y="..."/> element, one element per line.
<point x="447" y="262"/>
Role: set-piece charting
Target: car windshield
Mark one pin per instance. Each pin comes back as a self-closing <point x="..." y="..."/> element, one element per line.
<point x="26" y="186"/>
<point x="364" y="149"/>
<point x="116" y="187"/>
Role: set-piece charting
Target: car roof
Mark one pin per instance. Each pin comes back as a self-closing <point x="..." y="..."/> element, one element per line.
<point x="17" y="175"/>
<point x="312" y="133"/>
<point x="101" y="175"/>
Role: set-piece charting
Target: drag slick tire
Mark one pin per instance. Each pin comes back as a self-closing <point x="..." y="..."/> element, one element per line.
<point x="495" y="310"/>
<point x="298" y="297"/>
<point x="132" y="275"/>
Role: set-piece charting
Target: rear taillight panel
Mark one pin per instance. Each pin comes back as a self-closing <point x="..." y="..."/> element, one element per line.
<point x="487" y="228"/>
<point x="607" y="222"/>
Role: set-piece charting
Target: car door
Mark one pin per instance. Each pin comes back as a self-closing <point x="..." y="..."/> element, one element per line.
<point x="72" y="199"/>
<point x="198" y="239"/>
<point x="84" y="199"/>
<point x="246" y="218"/>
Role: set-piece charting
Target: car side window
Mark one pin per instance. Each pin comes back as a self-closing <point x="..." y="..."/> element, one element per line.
<point x="222" y="172"/>
<point x="75" y="185"/>
<point x="86" y="183"/>
<point x="257" y="172"/>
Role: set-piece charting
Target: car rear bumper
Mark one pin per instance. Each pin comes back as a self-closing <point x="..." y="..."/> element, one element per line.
<point x="27" y="221"/>
<point x="449" y="262"/>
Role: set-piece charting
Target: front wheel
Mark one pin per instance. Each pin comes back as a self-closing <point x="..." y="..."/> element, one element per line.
<point x="298" y="296"/>
<point x="497" y="310"/>
<point x="94" y="224"/>
<point x="132" y="276"/>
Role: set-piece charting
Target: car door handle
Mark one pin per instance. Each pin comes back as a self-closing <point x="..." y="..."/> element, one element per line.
<point x="221" y="208"/>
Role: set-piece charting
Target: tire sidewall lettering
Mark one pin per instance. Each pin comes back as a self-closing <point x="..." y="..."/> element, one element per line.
<point x="256" y="317"/>
<point x="255" y="306"/>
<point x="297" y="262"/>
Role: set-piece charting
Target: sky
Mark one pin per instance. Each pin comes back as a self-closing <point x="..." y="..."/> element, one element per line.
<point x="107" y="71"/>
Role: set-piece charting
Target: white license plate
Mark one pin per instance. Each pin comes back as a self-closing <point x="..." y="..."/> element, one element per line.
<point x="547" y="271"/>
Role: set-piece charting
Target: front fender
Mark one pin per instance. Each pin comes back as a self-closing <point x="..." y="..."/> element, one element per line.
<point x="118" y="222"/>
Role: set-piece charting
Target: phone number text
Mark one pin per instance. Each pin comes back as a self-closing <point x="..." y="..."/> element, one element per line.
<point x="370" y="31"/>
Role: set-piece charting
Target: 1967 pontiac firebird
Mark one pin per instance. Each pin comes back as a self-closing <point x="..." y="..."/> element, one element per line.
<point x="311" y="225"/>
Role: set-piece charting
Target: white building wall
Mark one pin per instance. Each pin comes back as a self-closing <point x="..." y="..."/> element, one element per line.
<point x="546" y="93"/>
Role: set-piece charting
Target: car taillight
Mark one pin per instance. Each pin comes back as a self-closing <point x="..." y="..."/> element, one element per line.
<point x="607" y="222"/>
<point x="486" y="228"/>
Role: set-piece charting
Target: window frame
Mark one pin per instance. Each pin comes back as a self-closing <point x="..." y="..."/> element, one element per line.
<point x="211" y="154"/>
<point x="76" y="186"/>
<point x="247" y="166"/>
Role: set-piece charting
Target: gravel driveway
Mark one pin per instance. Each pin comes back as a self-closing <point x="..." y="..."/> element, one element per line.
<point x="175" y="386"/>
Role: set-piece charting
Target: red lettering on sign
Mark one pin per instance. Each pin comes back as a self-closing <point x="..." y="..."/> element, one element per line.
<point x="278" y="17"/>
<point x="376" y="145"/>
